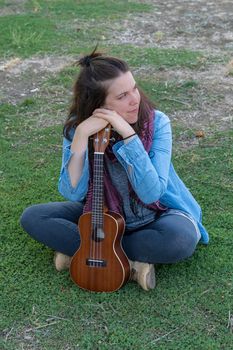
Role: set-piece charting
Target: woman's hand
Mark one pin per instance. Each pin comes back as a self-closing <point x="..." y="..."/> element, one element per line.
<point x="79" y="145"/>
<point x="118" y="123"/>
<point x="91" y="126"/>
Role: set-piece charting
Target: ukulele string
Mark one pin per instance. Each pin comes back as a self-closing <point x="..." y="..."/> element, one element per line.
<point x="98" y="220"/>
<point x="101" y="224"/>
<point x="96" y="210"/>
<point x="93" y="224"/>
<point x="99" y="209"/>
<point x="95" y="245"/>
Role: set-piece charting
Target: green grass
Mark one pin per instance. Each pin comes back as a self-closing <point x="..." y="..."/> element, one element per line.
<point x="85" y="9"/>
<point x="47" y="24"/>
<point x="160" y="58"/>
<point x="42" y="309"/>
<point x="170" y="95"/>
<point x="192" y="299"/>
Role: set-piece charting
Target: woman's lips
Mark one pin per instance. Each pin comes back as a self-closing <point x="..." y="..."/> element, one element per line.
<point x="133" y="111"/>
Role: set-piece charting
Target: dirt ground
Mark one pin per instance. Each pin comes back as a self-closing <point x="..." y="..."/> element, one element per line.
<point x="206" y="26"/>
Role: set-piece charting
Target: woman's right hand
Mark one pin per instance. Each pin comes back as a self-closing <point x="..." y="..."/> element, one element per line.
<point x="88" y="127"/>
<point x="91" y="126"/>
<point x="79" y="145"/>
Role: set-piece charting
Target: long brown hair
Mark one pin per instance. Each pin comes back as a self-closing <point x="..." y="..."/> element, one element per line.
<point x="90" y="89"/>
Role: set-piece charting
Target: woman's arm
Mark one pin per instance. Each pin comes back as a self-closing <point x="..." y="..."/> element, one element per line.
<point x="78" y="148"/>
<point x="148" y="173"/>
<point x="65" y="185"/>
<point x="74" y="175"/>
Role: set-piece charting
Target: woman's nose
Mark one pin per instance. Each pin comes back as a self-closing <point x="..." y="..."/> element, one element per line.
<point x="134" y="99"/>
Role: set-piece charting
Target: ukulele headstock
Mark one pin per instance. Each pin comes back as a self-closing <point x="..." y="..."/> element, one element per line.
<point x="101" y="139"/>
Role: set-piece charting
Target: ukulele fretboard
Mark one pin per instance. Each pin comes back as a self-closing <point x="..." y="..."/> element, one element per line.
<point x="98" y="190"/>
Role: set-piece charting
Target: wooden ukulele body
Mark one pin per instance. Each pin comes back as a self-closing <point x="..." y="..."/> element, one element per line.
<point x="100" y="264"/>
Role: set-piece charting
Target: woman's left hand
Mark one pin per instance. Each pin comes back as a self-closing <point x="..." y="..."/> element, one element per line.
<point x="118" y="123"/>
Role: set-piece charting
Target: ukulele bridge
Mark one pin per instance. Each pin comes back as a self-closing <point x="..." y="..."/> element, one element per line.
<point x="96" y="262"/>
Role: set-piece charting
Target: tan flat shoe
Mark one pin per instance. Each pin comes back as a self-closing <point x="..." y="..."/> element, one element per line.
<point x="61" y="261"/>
<point x="143" y="274"/>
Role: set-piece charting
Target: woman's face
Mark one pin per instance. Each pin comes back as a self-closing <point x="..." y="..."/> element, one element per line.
<point x="123" y="97"/>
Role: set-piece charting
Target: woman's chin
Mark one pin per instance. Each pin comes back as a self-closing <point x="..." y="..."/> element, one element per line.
<point x="132" y="119"/>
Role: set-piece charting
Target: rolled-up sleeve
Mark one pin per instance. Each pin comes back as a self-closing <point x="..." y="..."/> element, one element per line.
<point x="148" y="172"/>
<point x="65" y="187"/>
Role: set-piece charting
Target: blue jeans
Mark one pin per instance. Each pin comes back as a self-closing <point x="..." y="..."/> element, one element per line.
<point x="168" y="239"/>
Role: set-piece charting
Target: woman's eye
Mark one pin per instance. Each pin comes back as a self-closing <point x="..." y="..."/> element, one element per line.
<point x="119" y="98"/>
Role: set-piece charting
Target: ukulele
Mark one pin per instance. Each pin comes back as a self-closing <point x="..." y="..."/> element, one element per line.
<point x="100" y="264"/>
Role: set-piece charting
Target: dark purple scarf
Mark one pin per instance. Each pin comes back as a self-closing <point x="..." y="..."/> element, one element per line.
<point x="112" y="198"/>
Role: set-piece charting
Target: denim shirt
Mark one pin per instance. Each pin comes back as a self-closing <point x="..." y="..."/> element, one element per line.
<point x="151" y="175"/>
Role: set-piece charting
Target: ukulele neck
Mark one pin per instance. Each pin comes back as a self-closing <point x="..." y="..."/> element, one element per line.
<point x="98" y="190"/>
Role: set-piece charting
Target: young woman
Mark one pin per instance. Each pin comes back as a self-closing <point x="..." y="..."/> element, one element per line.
<point x="163" y="220"/>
